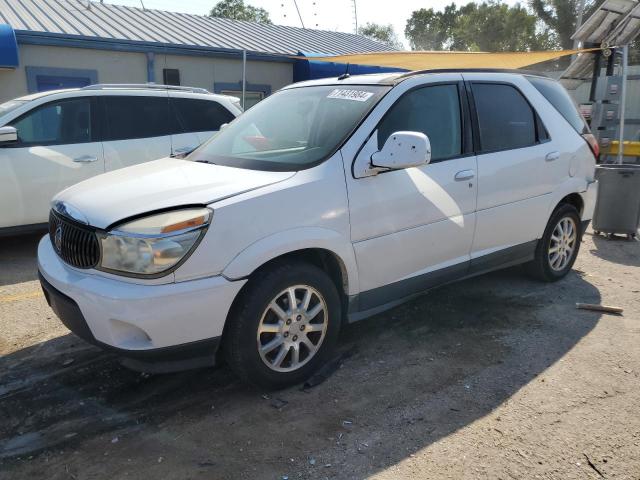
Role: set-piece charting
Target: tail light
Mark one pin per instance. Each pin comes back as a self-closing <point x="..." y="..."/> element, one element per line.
<point x="593" y="144"/>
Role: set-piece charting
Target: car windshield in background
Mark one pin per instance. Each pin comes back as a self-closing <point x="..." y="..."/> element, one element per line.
<point x="293" y="129"/>
<point x="10" y="106"/>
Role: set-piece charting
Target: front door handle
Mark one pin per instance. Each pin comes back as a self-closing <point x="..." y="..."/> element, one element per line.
<point x="464" y="175"/>
<point x="86" y="159"/>
<point x="552" y="156"/>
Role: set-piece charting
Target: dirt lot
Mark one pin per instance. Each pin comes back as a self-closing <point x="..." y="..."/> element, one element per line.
<point x="496" y="377"/>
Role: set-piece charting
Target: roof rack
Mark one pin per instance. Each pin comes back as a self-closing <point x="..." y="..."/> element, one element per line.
<point x="144" y="86"/>
<point x="472" y="70"/>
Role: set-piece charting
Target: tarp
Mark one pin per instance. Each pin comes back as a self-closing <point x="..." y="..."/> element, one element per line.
<point x="446" y="60"/>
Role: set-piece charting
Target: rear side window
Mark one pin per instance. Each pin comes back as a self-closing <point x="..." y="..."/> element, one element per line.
<point x="561" y="100"/>
<point x="434" y="111"/>
<point x="199" y="115"/>
<point x="505" y="119"/>
<point x="56" y="123"/>
<point x="130" y="117"/>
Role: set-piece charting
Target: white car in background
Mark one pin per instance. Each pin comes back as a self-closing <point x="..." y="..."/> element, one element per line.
<point x="329" y="201"/>
<point x="52" y="140"/>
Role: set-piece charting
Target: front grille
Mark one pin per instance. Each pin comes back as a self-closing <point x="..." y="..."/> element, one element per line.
<point x="76" y="245"/>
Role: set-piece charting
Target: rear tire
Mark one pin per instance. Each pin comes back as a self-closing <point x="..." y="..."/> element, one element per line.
<point x="270" y="344"/>
<point x="557" y="250"/>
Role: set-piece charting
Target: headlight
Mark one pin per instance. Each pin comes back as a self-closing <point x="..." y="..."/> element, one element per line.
<point x="155" y="244"/>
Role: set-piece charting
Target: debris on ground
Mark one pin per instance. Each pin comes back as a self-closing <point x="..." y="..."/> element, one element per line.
<point x="278" y="403"/>
<point x="599" y="308"/>
<point x="67" y="362"/>
<point x="327" y="370"/>
<point x="593" y="466"/>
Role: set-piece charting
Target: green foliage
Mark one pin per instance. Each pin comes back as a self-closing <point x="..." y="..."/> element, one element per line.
<point x="381" y="33"/>
<point x="237" y="10"/>
<point x="561" y="17"/>
<point x="489" y="26"/>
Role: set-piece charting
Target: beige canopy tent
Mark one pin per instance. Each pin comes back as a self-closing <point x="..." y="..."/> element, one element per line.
<point x="445" y="60"/>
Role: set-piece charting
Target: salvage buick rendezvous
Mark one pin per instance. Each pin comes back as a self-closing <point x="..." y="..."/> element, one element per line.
<point x="327" y="202"/>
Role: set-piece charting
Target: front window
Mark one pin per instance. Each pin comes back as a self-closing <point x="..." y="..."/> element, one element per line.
<point x="293" y="129"/>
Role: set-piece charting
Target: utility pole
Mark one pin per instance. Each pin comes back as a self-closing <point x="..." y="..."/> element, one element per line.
<point x="355" y="15"/>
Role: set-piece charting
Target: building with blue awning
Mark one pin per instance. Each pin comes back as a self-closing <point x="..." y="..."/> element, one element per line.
<point x="51" y="44"/>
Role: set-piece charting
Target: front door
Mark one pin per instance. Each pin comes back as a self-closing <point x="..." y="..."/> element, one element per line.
<point x="56" y="148"/>
<point x="413" y="228"/>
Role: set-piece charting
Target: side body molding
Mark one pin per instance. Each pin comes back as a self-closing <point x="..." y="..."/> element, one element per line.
<point x="281" y="243"/>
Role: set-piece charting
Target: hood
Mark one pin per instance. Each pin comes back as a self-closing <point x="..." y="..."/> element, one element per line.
<point x="164" y="183"/>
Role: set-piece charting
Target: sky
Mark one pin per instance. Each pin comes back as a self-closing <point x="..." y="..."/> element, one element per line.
<point x="321" y="14"/>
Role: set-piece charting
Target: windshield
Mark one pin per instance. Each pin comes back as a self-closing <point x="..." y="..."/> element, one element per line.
<point x="10" y="106"/>
<point x="293" y="129"/>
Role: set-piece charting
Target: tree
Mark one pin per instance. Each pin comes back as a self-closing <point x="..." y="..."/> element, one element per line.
<point x="561" y="17"/>
<point x="489" y="26"/>
<point x="237" y="10"/>
<point x="381" y="33"/>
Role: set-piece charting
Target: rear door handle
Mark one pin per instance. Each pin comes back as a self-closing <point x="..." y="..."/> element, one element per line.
<point x="464" y="175"/>
<point x="85" y="159"/>
<point x="552" y="156"/>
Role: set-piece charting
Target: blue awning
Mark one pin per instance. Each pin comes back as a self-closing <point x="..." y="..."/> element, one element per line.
<point x="8" y="47"/>
<point x="312" y="70"/>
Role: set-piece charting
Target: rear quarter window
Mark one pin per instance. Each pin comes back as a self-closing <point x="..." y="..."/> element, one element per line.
<point x="561" y="100"/>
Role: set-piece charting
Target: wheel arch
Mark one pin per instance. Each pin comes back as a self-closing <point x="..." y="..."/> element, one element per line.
<point x="322" y="247"/>
<point x="574" y="199"/>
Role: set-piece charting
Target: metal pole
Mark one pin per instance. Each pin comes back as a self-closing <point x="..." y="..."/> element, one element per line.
<point x="244" y="75"/>
<point x="623" y="101"/>
<point x="576" y="43"/>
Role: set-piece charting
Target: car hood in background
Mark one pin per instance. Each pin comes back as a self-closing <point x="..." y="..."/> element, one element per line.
<point x="165" y="183"/>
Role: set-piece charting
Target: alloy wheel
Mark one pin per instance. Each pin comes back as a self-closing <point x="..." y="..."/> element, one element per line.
<point x="292" y="328"/>
<point x="562" y="244"/>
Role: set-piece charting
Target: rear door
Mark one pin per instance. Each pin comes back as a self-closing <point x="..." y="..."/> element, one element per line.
<point x="57" y="146"/>
<point x="516" y="171"/>
<point x="195" y="120"/>
<point x="136" y="128"/>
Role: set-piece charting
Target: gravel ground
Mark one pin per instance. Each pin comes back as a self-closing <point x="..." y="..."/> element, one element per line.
<point x="495" y="377"/>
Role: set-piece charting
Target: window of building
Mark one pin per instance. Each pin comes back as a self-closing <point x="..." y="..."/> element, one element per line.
<point x="199" y="115"/>
<point x="171" y="76"/>
<point x="505" y="119"/>
<point x="55" y="123"/>
<point x="434" y="111"/>
<point x="128" y="117"/>
<point x="250" y="98"/>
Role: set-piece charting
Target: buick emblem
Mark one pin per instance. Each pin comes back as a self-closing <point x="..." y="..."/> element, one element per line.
<point x="57" y="238"/>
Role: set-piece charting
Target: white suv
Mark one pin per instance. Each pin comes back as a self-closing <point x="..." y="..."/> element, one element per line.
<point x="51" y="140"/>
<point x="328" y="202"/>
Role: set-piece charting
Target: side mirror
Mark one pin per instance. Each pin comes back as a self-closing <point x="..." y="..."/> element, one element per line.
<point x="223" y="126"/>
<point x="8" y="134"/>
<point x="403" y="150"/>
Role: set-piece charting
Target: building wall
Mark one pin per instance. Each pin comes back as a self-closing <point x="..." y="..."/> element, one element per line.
<point x="205" y="72"/>
<point x="128" y="67"/>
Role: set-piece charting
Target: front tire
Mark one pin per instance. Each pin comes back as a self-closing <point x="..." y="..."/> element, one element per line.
<point x="285" y="325"/>
<point x="558" y="248"/>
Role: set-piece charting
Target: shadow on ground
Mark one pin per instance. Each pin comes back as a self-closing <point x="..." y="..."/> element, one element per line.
<point x="613" y="250"/>
<point x="18" y="258"/>
<point x="417" y="374"/>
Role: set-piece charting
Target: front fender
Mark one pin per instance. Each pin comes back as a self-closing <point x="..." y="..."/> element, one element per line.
<point x="281" y="243"/>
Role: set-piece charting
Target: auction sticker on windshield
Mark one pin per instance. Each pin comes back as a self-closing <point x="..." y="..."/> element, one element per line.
<point x="346" y="94"/>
